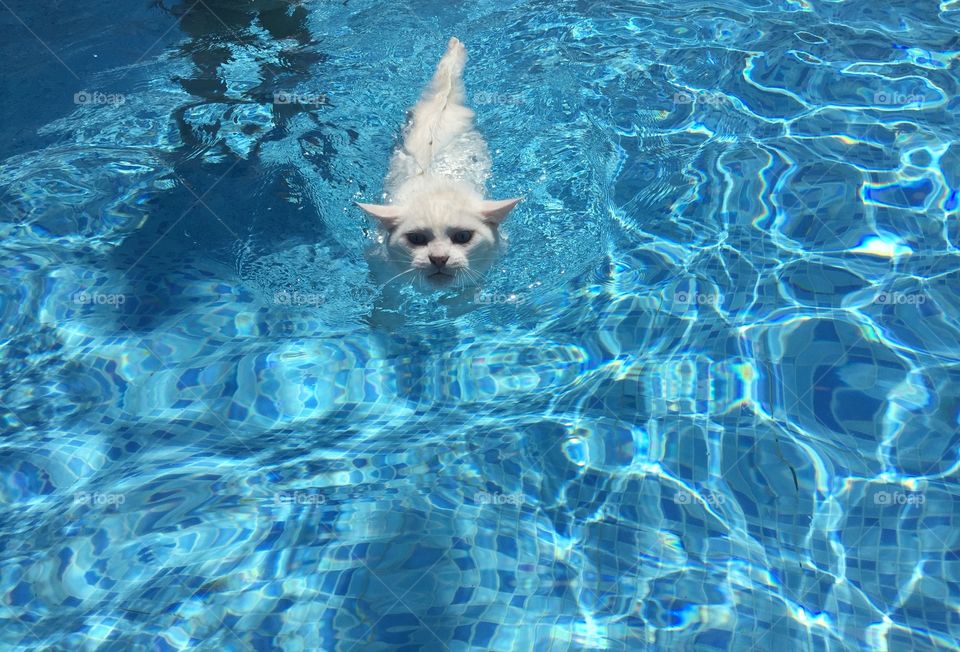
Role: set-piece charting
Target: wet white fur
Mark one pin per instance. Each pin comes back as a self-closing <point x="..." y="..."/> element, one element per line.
<point x="436" y="185"/>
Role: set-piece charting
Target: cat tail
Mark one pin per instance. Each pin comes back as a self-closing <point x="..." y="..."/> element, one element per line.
<point x="447" y="83"/>
<point x="440" y="116"/>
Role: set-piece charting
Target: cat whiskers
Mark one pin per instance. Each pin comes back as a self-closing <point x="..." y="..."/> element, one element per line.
<point x="473" y="275"/>
<point x="406" y="271"/>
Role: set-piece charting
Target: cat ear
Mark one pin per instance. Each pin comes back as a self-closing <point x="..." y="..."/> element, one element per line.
<point x="387" y="214"/>
<point x="496" y="210"/>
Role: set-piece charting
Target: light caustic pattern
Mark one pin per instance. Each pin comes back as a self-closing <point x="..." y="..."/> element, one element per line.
<point x="707" y="400"/>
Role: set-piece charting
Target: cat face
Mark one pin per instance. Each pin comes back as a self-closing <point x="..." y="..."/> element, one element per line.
<point x="442" y="238"/>
<point x="443" y="247"/>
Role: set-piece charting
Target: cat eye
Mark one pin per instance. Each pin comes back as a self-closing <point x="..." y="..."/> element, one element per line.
<point x="462" y="237"/>
<point x="417" y="239"/>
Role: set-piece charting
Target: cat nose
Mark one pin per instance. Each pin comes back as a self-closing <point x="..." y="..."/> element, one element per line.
<point x="439" y="261"/>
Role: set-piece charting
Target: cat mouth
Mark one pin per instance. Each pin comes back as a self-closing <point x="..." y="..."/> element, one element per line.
<point x="440" y="276"/>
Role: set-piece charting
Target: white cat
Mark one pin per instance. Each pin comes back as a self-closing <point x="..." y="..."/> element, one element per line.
<point x="438" y="228"/>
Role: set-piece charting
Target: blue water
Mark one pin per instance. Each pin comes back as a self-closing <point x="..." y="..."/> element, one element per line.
<point x="707" y="401"/>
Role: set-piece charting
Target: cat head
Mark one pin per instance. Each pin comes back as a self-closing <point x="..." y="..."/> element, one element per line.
<point x="441" y="231"/>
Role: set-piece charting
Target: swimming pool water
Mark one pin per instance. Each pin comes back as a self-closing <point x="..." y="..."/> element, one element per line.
<point x="707" y="401"/>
